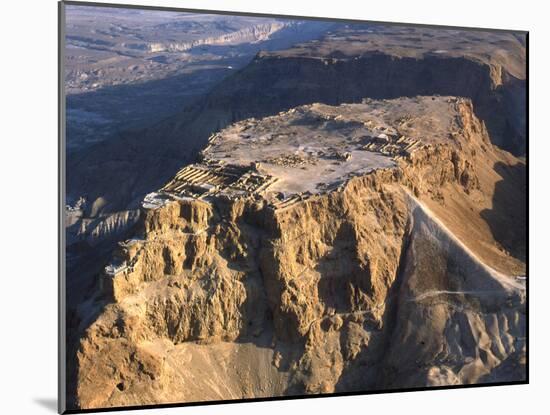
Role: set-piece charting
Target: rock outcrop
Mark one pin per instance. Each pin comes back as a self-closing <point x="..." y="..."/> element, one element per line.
<point x="368" y="286"/>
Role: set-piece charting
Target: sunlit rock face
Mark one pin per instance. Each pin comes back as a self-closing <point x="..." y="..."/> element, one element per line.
<point x="262" y="268"/>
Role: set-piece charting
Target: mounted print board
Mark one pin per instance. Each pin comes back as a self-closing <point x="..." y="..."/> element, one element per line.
<point x="258" y="207"/>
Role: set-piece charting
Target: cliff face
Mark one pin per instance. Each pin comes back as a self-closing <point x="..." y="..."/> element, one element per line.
<point x="256" y="33"/>
<point x="358" y="288"/>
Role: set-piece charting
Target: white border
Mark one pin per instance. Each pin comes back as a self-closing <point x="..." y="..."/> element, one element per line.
<point x="28" y="212"/>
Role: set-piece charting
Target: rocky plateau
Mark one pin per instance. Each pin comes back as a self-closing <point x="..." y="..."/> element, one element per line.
<point x="240" y="281"/>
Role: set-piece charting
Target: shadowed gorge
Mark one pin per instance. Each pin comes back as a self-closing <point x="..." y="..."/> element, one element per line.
<point x="509" y="204"/>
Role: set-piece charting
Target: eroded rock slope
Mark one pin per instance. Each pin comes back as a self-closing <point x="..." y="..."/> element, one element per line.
<point x="239" y="283"/>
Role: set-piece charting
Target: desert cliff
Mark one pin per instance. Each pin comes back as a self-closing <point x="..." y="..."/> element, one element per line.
<point x="393" y="277"/>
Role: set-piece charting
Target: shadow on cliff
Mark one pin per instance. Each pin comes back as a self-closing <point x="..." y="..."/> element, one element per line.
<point x="341" y="275"/>
<point x="76" y="327"/>
<point x="508" y="217"/>
<point x="512" y="369"/>
<point x="84" y="299"/>
<point x="368" y="371"/>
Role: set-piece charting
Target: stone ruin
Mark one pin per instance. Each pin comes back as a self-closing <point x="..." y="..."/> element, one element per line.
<point x="208" y="179"/>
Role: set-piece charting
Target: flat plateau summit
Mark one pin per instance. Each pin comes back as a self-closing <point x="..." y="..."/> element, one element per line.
<point x="312" y="149"/>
